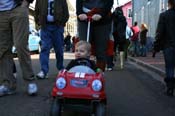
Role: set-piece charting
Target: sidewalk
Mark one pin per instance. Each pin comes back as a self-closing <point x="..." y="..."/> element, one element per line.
<point x="155" y="64"/>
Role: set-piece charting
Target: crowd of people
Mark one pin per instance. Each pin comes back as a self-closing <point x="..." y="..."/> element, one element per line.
<point x="109" y="34"/>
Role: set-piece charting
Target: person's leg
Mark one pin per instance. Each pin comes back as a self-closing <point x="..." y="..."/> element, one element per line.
<point x="126" y="49"/>
<point x="121" y="52"/>
<point x="46" y="44"/>
<point x="110" y="63"/>
<point x="169" y="69"/>
<point x="7" y="79"/>
<point x="82" y="30"/>
<point x="20" y="28"/>
<point x="57" y="41"/>
<point x="100" y="39"/>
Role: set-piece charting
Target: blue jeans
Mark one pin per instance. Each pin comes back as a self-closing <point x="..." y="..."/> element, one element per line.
<point x="143" y="50"/>
<point x="51" y="36"/>
<point x="169" y="56"/>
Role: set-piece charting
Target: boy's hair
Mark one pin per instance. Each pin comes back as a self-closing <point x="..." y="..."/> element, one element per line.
<point x="85" y="43"/>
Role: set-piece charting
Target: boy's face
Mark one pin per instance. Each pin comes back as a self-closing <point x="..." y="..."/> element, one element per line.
<point x="81" y="52"/>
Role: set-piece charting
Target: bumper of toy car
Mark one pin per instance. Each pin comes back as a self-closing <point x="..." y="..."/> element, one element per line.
<point x="78" y="93"/>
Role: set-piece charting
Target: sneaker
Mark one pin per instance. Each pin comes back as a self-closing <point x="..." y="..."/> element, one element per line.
<point x="32" y="89"/>
<point x="6" y="91"/>
<point x="14" y="74"/>
<point x="109" y="69"/>
<point x="41" y="75"/>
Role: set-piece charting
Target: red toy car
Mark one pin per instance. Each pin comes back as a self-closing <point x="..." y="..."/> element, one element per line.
<point x="79" y="88"/>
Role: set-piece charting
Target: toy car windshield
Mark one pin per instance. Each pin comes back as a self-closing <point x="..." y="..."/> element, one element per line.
<point x="82" y="69"/>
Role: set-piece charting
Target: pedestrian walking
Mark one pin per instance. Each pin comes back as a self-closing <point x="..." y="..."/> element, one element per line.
<point x="51" y="16"/>
<point x="67" y="42"/>
<point x="100" y="11"/>
<point x="143" y="39"/>
<point x="135" y="39"/>
<point x="14" y="15"/>
<point x="165" y="40"/>
<point x="119" y="33"/>
<point x="129" y="34"/>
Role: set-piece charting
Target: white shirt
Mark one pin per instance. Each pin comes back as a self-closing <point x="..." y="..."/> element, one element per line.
<point x="50" y="17"/>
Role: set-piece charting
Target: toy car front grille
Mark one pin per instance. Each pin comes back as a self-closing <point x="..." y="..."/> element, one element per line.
<point x="79" y="83"/>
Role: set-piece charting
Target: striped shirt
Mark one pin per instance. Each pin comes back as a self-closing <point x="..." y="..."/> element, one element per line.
<point x="7" y="5"/>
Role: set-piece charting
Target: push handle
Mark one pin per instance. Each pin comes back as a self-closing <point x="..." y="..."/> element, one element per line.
<point x="89" y="19"/>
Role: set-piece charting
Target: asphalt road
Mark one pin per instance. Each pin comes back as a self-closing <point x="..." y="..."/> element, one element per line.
<point x="130" y="92"/>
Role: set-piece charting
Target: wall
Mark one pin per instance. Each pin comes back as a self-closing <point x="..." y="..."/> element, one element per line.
<point x="125" y="9"/>
<point x="147" y="11"/>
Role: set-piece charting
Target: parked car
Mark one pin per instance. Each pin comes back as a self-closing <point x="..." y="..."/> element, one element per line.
<point x="33" y="43"/>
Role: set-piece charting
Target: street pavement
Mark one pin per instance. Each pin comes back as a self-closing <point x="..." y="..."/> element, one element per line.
<point x="155" y="64"/>
<point x="130" y="92"/>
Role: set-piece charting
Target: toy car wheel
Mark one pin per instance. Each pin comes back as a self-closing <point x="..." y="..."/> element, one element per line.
<point x="100" y="110"/>
<point x="55" y="108"/>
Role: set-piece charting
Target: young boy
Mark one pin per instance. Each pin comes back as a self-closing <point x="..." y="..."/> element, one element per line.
<point x="82" y="56"/>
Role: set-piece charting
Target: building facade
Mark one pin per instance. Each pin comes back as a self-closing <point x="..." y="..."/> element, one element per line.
<point x="127" y="10"/>
<point x="147" y="11"/>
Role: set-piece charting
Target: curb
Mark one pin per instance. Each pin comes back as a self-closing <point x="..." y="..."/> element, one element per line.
<point x="148" y="66"/>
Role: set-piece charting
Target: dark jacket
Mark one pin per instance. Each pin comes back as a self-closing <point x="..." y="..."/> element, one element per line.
<point x="104" y="9"/>
<point x="143" y="36"/>
<point x="61" y="14"/>
<point x="119" y="26"/>
<point x="165" y="36"/>
<point x="20" y="1"/>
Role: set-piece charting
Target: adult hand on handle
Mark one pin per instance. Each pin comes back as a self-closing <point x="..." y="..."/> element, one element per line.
<point x="82" y="17"/>
<point x="96" y="17"/>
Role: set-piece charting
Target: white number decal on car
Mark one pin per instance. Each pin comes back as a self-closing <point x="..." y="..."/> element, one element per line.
<point x="79" y="75"/>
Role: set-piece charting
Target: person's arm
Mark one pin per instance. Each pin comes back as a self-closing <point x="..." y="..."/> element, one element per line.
<point x="160" y="32"/>
<point x="70" y="65"/>
<point x="79" y="7"/>
<point x="36" y="14"/>
<point x="29" y="1"/>
<point x="65" y="12"/>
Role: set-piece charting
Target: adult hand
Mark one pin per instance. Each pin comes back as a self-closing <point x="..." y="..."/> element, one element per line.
<point x="25" y="3"/>
<point x="96" y="17"/>
<point x="82" y="17"/>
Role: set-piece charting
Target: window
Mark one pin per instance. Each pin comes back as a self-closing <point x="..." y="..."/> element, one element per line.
<point x="129" y="13"/>
<point x="162" y="5"/>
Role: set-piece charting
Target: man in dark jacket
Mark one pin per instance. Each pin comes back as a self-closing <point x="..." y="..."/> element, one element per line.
<point x="51" y="16"/>
<point x="165" y="40"/>
<point x="14" y="30"/>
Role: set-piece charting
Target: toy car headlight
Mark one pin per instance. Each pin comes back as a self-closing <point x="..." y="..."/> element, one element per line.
<point x="60" y="83"/>
<point x="96" y="85"/>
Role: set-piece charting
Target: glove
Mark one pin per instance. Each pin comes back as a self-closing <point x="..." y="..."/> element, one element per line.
<point x="82" y="17"/>
<point x="96" y="17"/>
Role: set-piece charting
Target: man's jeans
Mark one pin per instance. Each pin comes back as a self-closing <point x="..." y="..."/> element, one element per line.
<point x="169" y="56"/>
<point x="51" y="36"/>
<point x="14" y="29"/>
